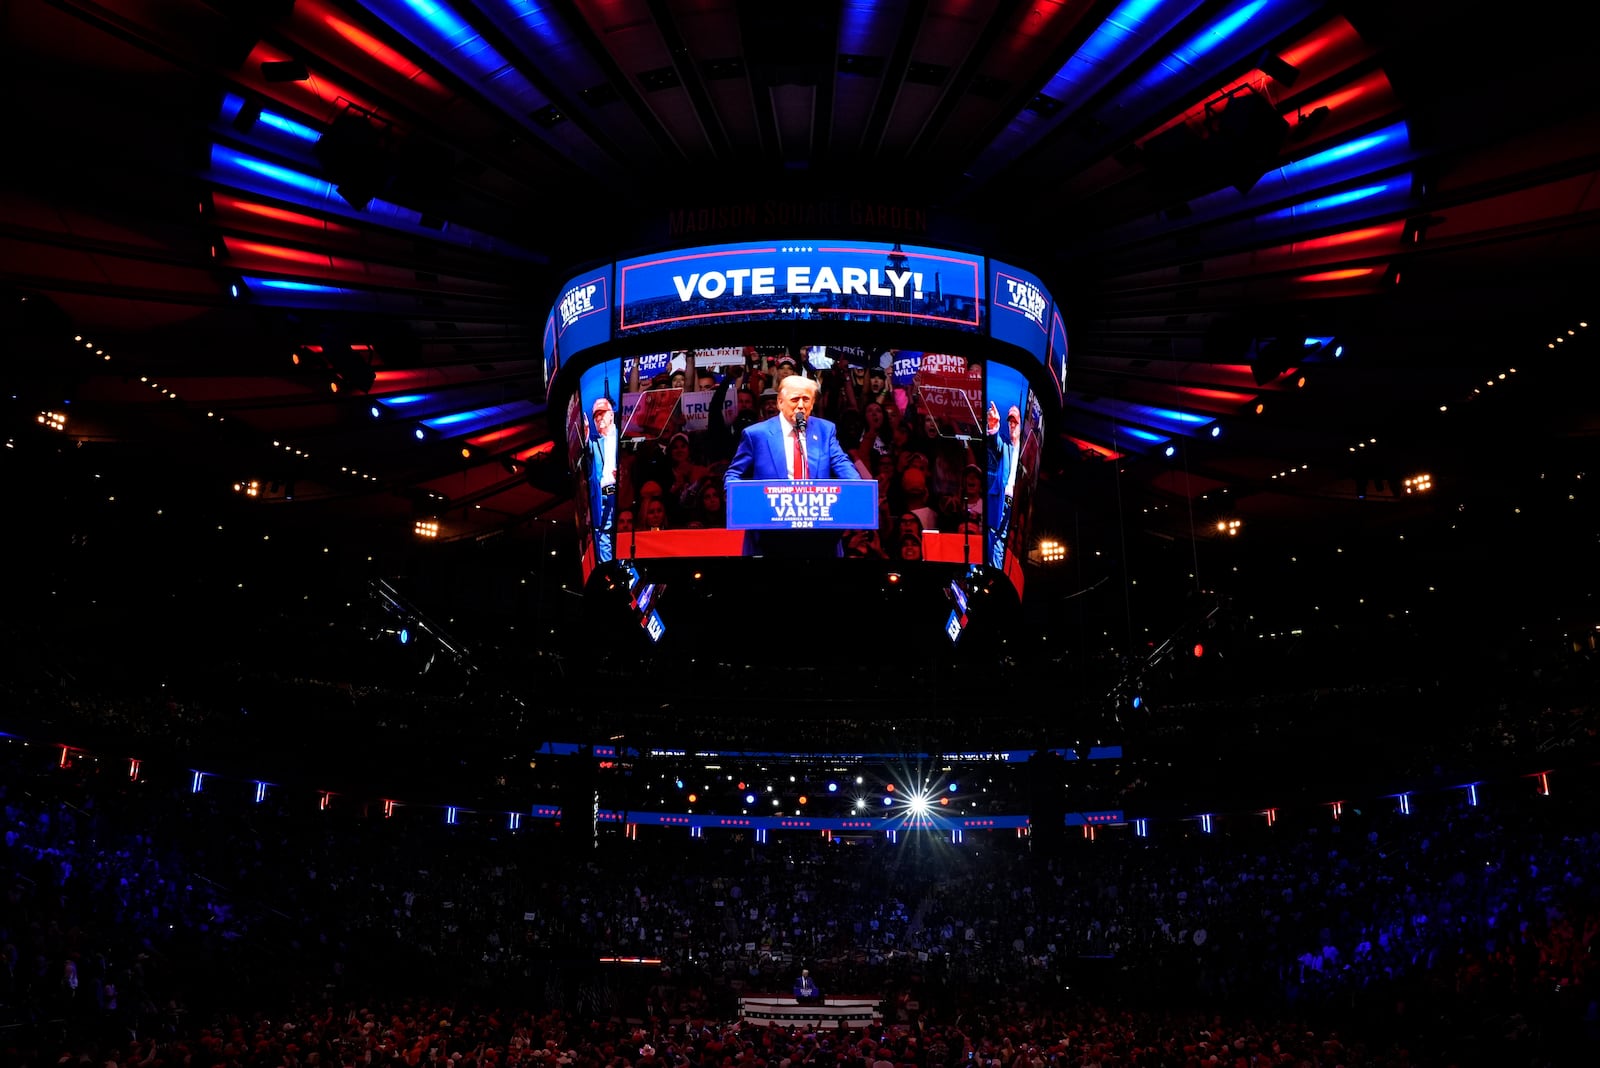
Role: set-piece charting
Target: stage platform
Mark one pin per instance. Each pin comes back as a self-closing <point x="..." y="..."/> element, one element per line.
<point x="829" y="1014"/>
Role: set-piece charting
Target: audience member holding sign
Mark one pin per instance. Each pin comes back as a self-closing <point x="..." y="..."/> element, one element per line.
<point x="793" y="445"/>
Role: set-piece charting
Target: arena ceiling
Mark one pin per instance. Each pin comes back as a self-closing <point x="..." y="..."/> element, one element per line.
<point x="1357" y="239"/>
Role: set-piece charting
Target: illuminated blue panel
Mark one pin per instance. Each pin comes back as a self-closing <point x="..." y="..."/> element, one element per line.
<point x="1350" y="162"/>
<point x="298" y="131"/>
<point x="1130" y="31"/>
<point x="288" y="285"/>
<point x="1334" y="200"/>
<point x="1384" y="150"/>
<point x="854" y="23"/>
<point x="1126" y="33"/>
<point x="406" y="399"/>
<point x="1089" y="424"/>
<point x="240" y="170"/>
<point x="827" y="279"/>
<point x="233" y="105"/>
<point x="546" y="39"/>
<point x="470" y="422"/>
<point x="536" y="21"/>
<point x="292" y="293"/>
<point x="274" y="123"/>
<point x="1169" y="419"/>
<point x="1186" y="56"/>
<point x="1019" y="309"/>
<point x="1142" y="435"/>
<point x="272" y="178"/>
<point x="1243" y="28"/>
<point x="1371" y="152"/>
<point x="452" y="41"/>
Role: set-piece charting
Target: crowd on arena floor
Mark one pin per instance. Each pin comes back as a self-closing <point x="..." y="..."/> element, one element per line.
<point x="146" y="912"/>
<point x="149" y="924"/>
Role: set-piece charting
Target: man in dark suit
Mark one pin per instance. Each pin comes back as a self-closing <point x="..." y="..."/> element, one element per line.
<point x="792" y="444"/>
<point x="1005" y="461"/>
<point x="805" y="990"/>
<point x="603" y="479"/>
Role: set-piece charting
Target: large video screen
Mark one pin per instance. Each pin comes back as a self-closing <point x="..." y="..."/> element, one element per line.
<point x="580" y="319"/>
<point x="651" y="439"/>
<point x="1020" y="309"/>
<point x="800" y="280"/>
<point x="1013" y="435"/>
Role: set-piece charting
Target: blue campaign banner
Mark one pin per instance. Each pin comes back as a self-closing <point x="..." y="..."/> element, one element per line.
<point x="782" y="504"/>
<point x="818" y="280"/>
<point x="650" y="364"/>
<point x="583" y="313"/>
<point x="1019" y="309"/>
<point x="904" y="369"/>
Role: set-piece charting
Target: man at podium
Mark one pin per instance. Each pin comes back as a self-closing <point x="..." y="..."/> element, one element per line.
<point x="792" y="445"/>
<point x="805" y="990"/>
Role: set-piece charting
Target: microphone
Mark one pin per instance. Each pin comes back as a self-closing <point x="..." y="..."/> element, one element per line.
<point x="799" y="422"/>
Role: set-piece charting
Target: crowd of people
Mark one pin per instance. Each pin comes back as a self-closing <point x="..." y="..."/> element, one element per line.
<point x="146" y="923"/>
<point x="152" y="920"/>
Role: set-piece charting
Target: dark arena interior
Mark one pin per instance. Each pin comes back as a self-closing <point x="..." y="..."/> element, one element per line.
<point x="436" y="640"/>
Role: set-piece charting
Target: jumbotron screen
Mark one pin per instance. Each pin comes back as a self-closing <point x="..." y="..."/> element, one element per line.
<point x="949" y="446"/>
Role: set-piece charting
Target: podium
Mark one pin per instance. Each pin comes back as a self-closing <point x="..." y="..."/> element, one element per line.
<point x="802" y="504"/>
<point x="829" y="1014"/>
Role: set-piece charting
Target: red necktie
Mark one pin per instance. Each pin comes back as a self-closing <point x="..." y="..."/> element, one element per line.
<point x="799" y="456"/>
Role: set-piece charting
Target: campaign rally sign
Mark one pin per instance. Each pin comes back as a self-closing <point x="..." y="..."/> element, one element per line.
<point x="951" y="395"/>
<point x="831" y="280"/>
<point x="733" y="356"/>
<point x="650" y="365"/>
<point x="648" y="414"/>
<point x="782" y="504"/>
<point x="1020" y="309"/>
<point x="582" y="313"/>
<point x="903" y="371"/>
<point x="697" y="409"/>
